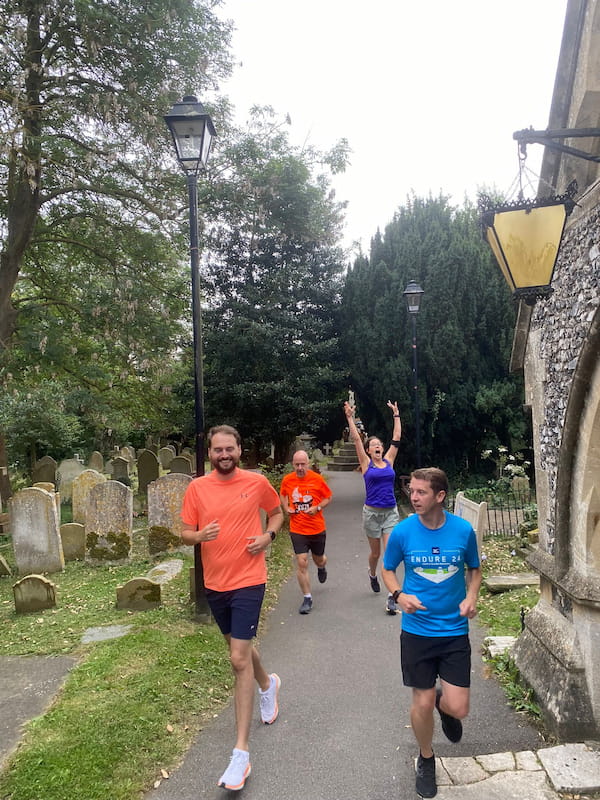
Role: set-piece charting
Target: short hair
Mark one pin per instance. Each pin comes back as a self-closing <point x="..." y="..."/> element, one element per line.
<point x="372" y="439"/>
<point x="436" y="477"/>
<point x="226" y="429"/>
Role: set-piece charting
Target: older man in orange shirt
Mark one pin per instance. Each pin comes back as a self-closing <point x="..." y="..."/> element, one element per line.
<point x="304" y="494"/>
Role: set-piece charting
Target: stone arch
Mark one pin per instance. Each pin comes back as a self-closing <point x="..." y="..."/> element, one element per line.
<point x="578" y="475"/>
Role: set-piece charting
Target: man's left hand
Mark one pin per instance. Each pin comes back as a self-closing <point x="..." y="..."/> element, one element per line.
<point x="256" y="544"/>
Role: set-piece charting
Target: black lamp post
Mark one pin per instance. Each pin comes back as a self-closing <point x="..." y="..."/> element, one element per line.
<point x="193" y="131"/>
<point x="412" y="295"/>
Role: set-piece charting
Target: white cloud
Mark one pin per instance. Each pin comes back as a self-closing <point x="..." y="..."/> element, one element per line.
<point x="428" y="94"/>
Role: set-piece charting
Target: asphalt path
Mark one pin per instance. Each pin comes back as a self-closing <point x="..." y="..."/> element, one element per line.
<point x="343" y="731"/>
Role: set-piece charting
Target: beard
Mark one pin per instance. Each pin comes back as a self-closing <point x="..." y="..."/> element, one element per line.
<point x="225" y="466"/>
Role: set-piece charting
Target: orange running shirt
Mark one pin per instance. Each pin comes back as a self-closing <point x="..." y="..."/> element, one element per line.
<point x="301" y="494"/>
<point x="236" y="504"/>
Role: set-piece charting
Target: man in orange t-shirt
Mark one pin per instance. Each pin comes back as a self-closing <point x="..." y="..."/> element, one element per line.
<point x="304" y="494"/>
<point x="221" y="511"/>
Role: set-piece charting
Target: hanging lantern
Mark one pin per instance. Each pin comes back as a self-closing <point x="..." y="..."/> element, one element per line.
<point x="525" y="237"/>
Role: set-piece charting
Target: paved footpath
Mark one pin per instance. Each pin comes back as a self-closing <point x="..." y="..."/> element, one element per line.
<point x="343" y="730"/>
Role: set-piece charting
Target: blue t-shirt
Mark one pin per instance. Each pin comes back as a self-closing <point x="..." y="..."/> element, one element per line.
<point x="379" y="485"/>
<point x="434" y="571"/>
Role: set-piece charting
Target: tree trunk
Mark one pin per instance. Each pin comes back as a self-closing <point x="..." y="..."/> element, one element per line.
<point x="5" y="487"/>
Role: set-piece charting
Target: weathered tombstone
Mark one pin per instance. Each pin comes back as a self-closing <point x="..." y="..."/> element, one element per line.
<point x="36" y="538"/>
<point x="139" y="594"/>
<point x="109" y="522"/>
<point x="34" y="593"/>
<point x="72" y="535"/>
<point x="181" y="464"/>
<point x="80" y="489"/>
<point x="120" y="468"/>
<point x="128" y="453"/>
<point x="165" y="456"/>
<point x="148" y="468"/>
<point x="165" y="497"/>
<point x="153" y="448"/>
<point x="68" y="470"/>
<point x="44" y="470"/>
<point x="49" y="487"/>
<point x="5" y="570"/>
<point x="96" y="461"/>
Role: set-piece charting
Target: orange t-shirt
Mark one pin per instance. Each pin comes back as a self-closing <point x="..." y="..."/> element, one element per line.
<point x="236" y="504"/>
<point x="301" y="494"/>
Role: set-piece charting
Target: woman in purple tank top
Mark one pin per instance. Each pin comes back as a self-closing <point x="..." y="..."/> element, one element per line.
<point x="380" y="512"/>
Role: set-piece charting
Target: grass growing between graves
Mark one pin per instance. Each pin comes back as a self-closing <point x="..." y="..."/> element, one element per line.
<point x="131" y="706"/>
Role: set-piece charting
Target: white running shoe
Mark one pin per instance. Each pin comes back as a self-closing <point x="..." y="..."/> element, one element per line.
<point x="238" y="770"/>
<point x="269" y="707"/>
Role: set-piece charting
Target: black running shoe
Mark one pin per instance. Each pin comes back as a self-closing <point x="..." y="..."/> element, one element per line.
<point x="425" y="782"/>
<point x="374" y="583"/>
<point x="322" y="574"/>
<point x="451" y="726"/>
<point x="306" y="606"/>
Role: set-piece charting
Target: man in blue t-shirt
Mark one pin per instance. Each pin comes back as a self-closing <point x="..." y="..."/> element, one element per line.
<point x="442" y="577"/>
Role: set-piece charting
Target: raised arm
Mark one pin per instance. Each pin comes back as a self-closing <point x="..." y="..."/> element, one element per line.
<point x="363" y="458"/>
<point x="396" y="433"/>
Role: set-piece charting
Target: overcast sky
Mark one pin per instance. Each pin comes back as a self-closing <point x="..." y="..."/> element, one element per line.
<point x="427" y="92"/>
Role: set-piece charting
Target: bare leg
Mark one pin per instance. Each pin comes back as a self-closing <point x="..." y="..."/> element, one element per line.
<point x="374" y="554"/>
<point x="302" y="572"/>
<point x="421" y="718"/>
<point x="247" y="668"/>
<point x="454" y="700"/>
<point x="320" y="561"/>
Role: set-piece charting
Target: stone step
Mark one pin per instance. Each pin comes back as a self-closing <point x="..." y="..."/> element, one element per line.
<point x="503" y="583"/>
<point x="342" y="467"/>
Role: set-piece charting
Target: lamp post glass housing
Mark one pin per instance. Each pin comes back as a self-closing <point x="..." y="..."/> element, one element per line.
<point x="193" y="131"/>
<point x="412" y="295"/>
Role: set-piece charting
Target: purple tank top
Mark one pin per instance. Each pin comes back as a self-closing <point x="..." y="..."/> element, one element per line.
<point x="379" y="484"/>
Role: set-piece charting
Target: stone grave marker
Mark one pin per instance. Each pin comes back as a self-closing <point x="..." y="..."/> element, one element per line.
<point x="165" y="456"/>
<point x="109" y="523"/>
<point x="139" y="594"/>
<point x="44" y="471"/>
<point x="68" y="470"/>
<point x="96" y="461"/>
<point x="181" y="464"/>
<point x="34" y="593"/>
<point x="148" y="467"/>
<point x="120" y="468"/>
<point x="165" y="496"/>
<point x="35" y="534"/>
<point x="72" y="535"/>
<point x="49" y="487"/>
<point x="80" y="490"/>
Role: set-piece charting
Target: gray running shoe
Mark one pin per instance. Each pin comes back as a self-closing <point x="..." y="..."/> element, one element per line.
<point x="306" y="606"/>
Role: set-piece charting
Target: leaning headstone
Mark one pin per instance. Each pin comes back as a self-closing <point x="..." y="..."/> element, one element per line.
<point x="165" y="497"/>
<point x="72" y="535"/>
<point x="139" y="594"/>
<point x="148" y="468"/>
<point x="5" y="570"/>
<point x="35" y="534"/>
<point x="109" y="523"/>
<point x="44" y="470"/>
<point x="165" y="571"/>
<point x="68" y="470"/>
<point x="49" y="487"/>
<point x="165" y="456"/>
<point x="181" y="464"/>
<point x="96" y="461"/>
<point x="80" y="490"/>
<point x="34" y="593"/>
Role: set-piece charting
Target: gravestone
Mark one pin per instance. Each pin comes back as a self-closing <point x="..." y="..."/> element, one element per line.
<point x="128" y="453"/>
<point x="34" y="593"/>
<point x="44" y="471"/>
<point x="148" y="468"/>
<point x="96" y="461"/>
<point x="120" y="468"/>
<point x="68" y="470"/>
<point x="72" y="535"/>
<point x="49" y="487"/>
<point x="139" y="594"/>
<point x="80" y="489"/>
<point x="165" y="497"/>
<point x="35" y="534"/>
<point x="165" y="456"/>
<point x="109" y="523"/>
<point x="181" y="464"/>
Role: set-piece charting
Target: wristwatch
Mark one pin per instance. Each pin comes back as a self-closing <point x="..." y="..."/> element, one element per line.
<point x="272" y="534"/>
<point x="396" y="595"/>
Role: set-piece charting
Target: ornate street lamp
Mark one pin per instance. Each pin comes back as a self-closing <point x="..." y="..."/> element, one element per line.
<point x="193" y="131"/>
<point x="412" y="295"/>
<point x="525" y="237"/>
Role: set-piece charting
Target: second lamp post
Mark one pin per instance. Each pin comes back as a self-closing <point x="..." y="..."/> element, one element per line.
<point x="412" y="295"/>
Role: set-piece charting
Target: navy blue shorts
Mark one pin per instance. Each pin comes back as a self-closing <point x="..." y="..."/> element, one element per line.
<point x="423" y="658"/>
<point x="237" y="612"/>
<point x="302" y="544"/>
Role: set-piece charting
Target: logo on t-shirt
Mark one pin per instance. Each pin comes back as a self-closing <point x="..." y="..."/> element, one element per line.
<point x="302" y="501"/>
